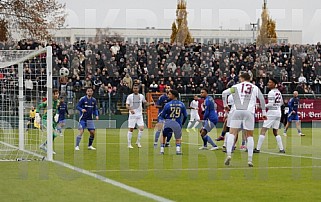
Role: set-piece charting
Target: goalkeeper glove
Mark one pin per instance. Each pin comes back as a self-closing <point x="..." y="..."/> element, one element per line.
<point x="37" y="118"/>
<point x="56" y="118"/>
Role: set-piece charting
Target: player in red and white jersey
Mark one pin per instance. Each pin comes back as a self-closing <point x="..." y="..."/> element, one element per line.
<point x="275" y="101"/>
<point x="201" y="108"/>
<point x="225" y="127"/>
<point x="244" y="95"/>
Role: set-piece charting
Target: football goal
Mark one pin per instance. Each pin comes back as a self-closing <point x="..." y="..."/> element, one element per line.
<point x="25" y="82"/>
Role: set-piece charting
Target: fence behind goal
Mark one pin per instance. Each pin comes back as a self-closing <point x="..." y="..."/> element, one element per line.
<point x="25" y="79"/>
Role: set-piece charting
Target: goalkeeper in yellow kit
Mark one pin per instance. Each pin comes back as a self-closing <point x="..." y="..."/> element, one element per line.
<point x="43" y="105"/>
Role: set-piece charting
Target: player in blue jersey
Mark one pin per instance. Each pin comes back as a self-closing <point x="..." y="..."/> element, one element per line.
<point x="175" y="115"/>
<point x="162" y="100"/>
<point x="61" y="111"/>
<point x="293" y="113"/>
<point x="87" y="106"/>
<point x="210" y="120"/>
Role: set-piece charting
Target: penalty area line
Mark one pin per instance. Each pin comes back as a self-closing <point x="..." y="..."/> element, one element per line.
<point x="272" y="153"/>
<point x="204" y="169"/>
<point x="113" y="182"/>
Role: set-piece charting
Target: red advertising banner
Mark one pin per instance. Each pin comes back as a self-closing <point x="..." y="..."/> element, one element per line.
<point x="309" y="109"/>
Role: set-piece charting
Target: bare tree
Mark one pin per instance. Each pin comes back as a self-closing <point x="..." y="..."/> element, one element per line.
<point x="32" y="18"/>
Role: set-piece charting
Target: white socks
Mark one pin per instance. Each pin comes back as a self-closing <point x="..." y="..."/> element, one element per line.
<point x="129" y="137"/>
<point x="189" y="124"/>
<point x="250" y="147"/>
<point x="260" y="142"/>
<point x="225" y="139"/>
<point x="140" y="134"/>
<point x="196" y="124"/>
<point x="279" y="142"/>
<point x="229" y="145"/>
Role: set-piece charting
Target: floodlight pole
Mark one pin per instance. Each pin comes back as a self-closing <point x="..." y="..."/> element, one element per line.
<point x="254" y="25"/>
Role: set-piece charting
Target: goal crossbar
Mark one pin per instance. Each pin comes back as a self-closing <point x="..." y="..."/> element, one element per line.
<point x="30" y="54"/>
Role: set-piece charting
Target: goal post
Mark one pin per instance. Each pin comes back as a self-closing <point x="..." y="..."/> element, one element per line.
<point x="49" y="105"/>
<point x="16" y="142"/>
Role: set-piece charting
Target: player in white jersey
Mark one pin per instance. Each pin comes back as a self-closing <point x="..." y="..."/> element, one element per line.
<point x="244" y="96"/>
<point x="225" y="127"/>
<point x="227" y="121"/>
<point x="275" y="101"/>
<point x="194" y="114"/>
<point x="228" y="115"/>
<point x="134" y="104"/>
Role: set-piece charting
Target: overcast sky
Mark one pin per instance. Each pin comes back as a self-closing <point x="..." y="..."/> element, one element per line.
<point x="206" y="14"/>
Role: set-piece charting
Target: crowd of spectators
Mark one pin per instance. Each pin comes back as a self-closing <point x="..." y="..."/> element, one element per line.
<point x="112" y="67"/>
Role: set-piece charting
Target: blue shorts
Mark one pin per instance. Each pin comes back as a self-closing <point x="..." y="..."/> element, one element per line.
<point x="89" y="124"/>
<point x="62" y="121"/>
<point x="172" y="126"/>
<point x="293" y="117"/>
<point x="209" y="125"/>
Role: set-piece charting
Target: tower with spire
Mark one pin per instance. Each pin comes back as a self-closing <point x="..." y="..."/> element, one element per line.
<point x="180" y="32"/>
<point x="267" y="33"/>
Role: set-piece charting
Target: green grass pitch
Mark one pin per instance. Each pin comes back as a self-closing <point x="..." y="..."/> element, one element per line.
<point x="197" y="175"/>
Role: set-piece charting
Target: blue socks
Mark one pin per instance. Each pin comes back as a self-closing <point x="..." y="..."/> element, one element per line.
<point x="91" y="139"/>
<point x="209" y="139"/>
<point x="205" y="140"/>
<point x="157" y="134"/>
<point x="223" y="133"/>
<point x="78" y="139"/>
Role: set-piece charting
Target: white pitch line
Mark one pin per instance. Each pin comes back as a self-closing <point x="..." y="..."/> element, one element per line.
<point x="271" y="153"/>
<point x="291" y="155"/>
<point x="202" y="169"/>
<point x="102" y="143"/>
<point x="113" y="182"/>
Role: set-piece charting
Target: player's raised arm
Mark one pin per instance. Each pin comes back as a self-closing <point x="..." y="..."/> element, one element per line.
<point x="290" y="105"/>
<point x="271" y="101"/>
<point x="129" y="100"/>
<point x="159" y="102"/>
<point x="206" y="110"/>
<point x="262" y="102"/>
<point x="80" y="104"/>
<point x="67" y="112"/>
<point x="95" y="110"/>
<point x="225" y="95"/>
<point x="147" y="104"/>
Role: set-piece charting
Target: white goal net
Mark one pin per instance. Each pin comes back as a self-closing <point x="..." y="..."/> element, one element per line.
<point x="25" y="80"/>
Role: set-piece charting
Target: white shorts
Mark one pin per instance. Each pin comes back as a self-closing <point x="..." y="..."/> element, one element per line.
<point x="229" y="115"/>
<point x="241" y="118"/>
<point x="272" y="122"/>
<point x="133" y="120"/>
<point x="195" y="117"/>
